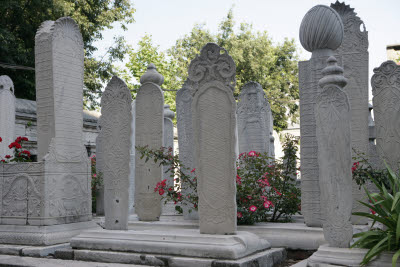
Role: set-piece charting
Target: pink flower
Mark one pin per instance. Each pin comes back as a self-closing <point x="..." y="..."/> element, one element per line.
<point x="238" y="180"/>
<point x="268" y="204"/>
<point x="373" y="212"/>
<point x="279" y="193"/>
<point x="252" y="208"/>
<point x="239" y="215"/>
<point x="192" y="171"/>
<point x="249" y="197"/>
<point x="161" y="192"/>
<point x="252" y="153"/>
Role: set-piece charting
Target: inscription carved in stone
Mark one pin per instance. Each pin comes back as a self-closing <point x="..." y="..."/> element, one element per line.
<point x="212" y="77"/>
<point x="115" y="137"/>
<point x="386" y="91"/>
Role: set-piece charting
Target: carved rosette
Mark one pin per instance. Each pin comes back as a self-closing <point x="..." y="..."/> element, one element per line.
<point x="332" y="111"/>
<point x="116" y="105"/>
<point x="254" y="115"/>
<point x="212" y="75"/>
<point x="386" y="98"/>
<point x="214" y="63"/>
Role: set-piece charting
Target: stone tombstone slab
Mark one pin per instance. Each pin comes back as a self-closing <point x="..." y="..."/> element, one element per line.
<point x="253" y="116"/>
<point x="320" y="43"/>
<point x="59" y="83"/>
<point x="184" y="124"/>
<point x="332" y="113"/>
<point x="115" y="138"/>
<point x="149" y="132"/>
<point x="132" y="162"/>
<point x="354" y="54"/>
<point x="212" y="77"/>
<point x="386" y="98"/>
<point x="7" y="115"/>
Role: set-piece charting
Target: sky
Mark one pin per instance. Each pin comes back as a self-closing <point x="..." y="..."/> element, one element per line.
<point x="169" y="20"/>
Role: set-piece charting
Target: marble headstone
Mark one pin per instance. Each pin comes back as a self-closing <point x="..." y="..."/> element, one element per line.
<point x="386" y="91"/>
<point x="253" y="116"/>
<point x="212" y="77"/>
<point x="7" y="115"/>
<point x="149" y="132"/>
<point x="354" y="54"/>
<point x="115" y="138"/>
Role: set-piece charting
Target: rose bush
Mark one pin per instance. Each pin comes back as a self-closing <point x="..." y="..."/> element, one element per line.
<point x="266" y="189"/>
<point x="19" y="153"/>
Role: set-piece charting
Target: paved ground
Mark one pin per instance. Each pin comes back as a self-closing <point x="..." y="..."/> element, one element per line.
<point x="16" y="261"/>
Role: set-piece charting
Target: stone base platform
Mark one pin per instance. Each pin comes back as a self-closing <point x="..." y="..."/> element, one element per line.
<point x="42" y="235"/>
<point x="184" y="247"/>
<point x="329" y="256"/>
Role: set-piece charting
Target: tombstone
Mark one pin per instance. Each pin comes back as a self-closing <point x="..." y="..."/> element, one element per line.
<point x="386" y="97"/>
<point x="132" y="162"/>
<point x="212" y="77"/>
<point x="253" y="115"/>
<point x="354" y="54"/>
<point x="99" y="171"/>
<point x="7" y="115"/>
<point x="115" y="138"/>
<point x="321" y="32"/>
<point x="184" y="101"/>
<point x="149" y="132"/>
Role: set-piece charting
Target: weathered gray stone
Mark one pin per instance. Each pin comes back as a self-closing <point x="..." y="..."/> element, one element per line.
<point x="99" y="170"/>
<point x="253" y="116"/>
<point x="7" y="115"/>
<point x="354" y="54"/>
<point x="332" y="112"/>
<point x="212" y="77"/>
<point x="115" y="139"/>
<point x="316" y="37"/>
<point x="149" y="132"/>
<point x="271" y="149"/>
<point x="386" y="91"/>
<point x="132" y="162"/>
<point x="184" y="124"/>
<point x="372" y="153"/>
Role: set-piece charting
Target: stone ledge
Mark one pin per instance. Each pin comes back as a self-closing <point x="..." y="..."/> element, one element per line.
<point x="184" y="242"/>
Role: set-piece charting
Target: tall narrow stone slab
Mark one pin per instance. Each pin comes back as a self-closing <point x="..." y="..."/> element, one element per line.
<point x="168" y="138"/>
<point x="354" y="54"/>
<point x="149" y="132"/>
<point x="386" y="91"/>
<point x="212" y="77"/>
<point x="253" y="114"/>
<point x="115" y="146"/>
<point x="372" y="153"/>
<point x="309" y="75"/>
<point x="132" y="161"/>
<point x="7" y="114"/>
<point x="184" y="124"/>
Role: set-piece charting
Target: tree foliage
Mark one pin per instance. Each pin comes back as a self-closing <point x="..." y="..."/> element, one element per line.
<point x="20" y="19"/>
<point x="257" y="59"/>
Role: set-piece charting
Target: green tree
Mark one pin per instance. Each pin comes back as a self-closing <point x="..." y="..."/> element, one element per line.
<point x="257" y="59"/>
<point x="20" y="19"/>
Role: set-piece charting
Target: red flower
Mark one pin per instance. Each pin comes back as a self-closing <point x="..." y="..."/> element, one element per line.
<point x="239" y="215"/>
<point x="373" y="212"/>
<point x="252" y="208"/>
<point x="252" y="153"/>
<point x="238" y="179"/>
<point x="170" y="189"/>
<point x="192" y="171"/>
<point x="14" y="144"/>
<point x="279" y="193"/>
<point x="1" y="139"/>
<point x="7" y="156"/>
<point x="268" y="204"/>
<point x="161" y="192"/>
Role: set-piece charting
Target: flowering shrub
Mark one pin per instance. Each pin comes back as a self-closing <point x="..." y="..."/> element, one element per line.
<point x="97" y="181"/>
<point x="19" y="154"/>
<point x="266" y="189"/>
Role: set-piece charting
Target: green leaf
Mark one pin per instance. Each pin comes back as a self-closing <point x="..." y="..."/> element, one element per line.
<point x="395" y="257"/>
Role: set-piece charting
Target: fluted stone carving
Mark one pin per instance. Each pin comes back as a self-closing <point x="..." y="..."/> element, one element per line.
<point x="212" y="79"/>
<point x="354" y="54"/>
<point x="321" y="31"/>
<point x="253" y="115"/>
<point x="184" y="101"/>
<point x="386" y="98"/>
<point x="7" y="115"/>
<point x="115" y="138"/>
<point x="332" y="111"/>
<point x="149" y="132"/>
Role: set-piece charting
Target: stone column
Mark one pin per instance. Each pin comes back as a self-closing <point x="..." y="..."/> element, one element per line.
<point x="386" y="98"/>
<point x="115" y="138"/>
<point x="321" y="32"/>
<point x="354" y="54"/>
<point x="184" y="101"/>
<point x="212" y="77"/>
<point x="253" y="115"/>
<point x="7" y="115"/>
<point x="132" y="162"/>
<point x="149" y="132"/>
